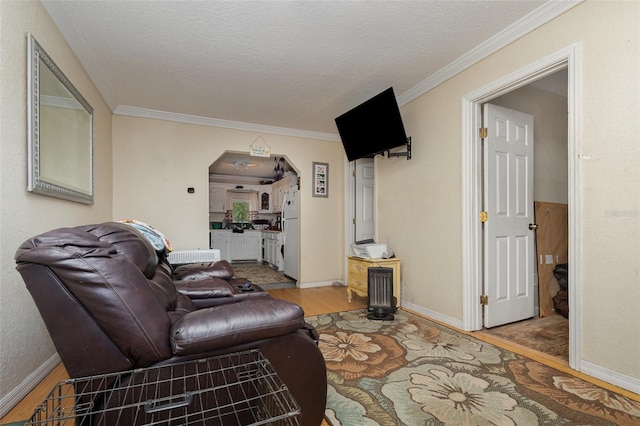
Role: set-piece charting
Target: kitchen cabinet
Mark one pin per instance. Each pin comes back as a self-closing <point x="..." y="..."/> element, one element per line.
<point x="246" y="246"/>
<point x="272" y="254"/>
<point x="237" y="246"/>
<point x="358" y="279"/>
<point x="264" y="199"/>
<point x="271" y="195"/>
<point x="221" y="240"/>
<point x="217" y="198"/>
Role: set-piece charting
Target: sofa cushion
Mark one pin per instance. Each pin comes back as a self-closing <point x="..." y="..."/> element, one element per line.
<point x="129" y="242"/>
<point x="204" y="288"/>
<point x="164" y="289"/>
<point x="197" y="271"/>
<point x="228" y="325"/>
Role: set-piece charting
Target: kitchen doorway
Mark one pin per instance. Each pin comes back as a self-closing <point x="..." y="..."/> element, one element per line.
<point x="265" y="231"/>
<point x="473" y="250"/>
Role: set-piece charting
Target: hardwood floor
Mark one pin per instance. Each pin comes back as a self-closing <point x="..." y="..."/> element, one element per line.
<point x="25" y="408"/>
<point x="320" y="300"/>
<point x="314" y="301"/>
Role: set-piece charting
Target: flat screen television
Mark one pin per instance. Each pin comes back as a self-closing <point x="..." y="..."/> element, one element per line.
<point x="372" y="127"/>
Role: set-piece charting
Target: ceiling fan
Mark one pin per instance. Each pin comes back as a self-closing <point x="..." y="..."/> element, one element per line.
<point x="240" y="164"/>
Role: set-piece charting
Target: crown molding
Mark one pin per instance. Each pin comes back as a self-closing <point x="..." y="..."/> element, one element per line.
<point x="520" y="28"/>
<point x="227" y="124"/>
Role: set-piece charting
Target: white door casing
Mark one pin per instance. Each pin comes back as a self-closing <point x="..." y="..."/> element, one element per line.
<point x="365" y="200"/>
<point x="567" y="58"/>
<point x="508" y="189"/>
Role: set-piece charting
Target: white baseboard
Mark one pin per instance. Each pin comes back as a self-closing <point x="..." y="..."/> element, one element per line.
<point x="453" y="322"/>
<point x="615" y="378"/>
<point x="312" y="284"/>
<point x="18" y="393"/>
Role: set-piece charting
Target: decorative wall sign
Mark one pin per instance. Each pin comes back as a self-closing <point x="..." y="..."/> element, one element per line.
<point x="260" y="148"/>
<point x="320" y="179"/>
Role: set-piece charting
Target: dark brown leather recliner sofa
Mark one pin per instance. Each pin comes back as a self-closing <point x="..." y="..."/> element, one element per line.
<point x="110" y="305"/>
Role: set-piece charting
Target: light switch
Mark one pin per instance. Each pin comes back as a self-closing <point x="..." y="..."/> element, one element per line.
<point x="548" y="259"/>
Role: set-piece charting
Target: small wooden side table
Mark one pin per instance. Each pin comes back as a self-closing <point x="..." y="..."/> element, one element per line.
<point x="357" y="279"/>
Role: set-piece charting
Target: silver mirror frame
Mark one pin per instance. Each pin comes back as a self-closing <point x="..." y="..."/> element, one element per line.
<point x="38" y="183"/>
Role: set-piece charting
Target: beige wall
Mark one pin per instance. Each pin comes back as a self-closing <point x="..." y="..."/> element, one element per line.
<point x="420" y="199"/>
<point x="24" y="342"/>
<point x="155" y="161"/>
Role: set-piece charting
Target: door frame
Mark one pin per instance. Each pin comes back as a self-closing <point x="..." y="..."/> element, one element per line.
<point x="472" y="248"/>
<point x="349" y="211"/>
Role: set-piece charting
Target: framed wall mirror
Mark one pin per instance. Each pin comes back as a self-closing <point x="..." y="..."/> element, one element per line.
<point x="60" y="132"/>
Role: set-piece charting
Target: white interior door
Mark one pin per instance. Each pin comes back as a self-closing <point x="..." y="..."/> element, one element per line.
<point x="508" y="190"/>
<point x="365" y="220"/>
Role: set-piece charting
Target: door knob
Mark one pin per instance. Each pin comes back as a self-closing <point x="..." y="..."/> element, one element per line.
<point x="533" y="226"/>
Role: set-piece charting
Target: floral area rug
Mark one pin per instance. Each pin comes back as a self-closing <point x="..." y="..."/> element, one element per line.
<point x="263" y="275"/>
<point x="411" y="371"/>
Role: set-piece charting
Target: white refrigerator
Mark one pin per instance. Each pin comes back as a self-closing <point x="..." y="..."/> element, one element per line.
<point x="290" y="232"/>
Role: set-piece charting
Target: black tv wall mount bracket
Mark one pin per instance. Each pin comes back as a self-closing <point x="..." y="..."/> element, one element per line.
<point x="407" y="153"/>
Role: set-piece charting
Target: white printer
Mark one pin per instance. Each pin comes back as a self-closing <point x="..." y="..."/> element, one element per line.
<point x="370" y="250"/>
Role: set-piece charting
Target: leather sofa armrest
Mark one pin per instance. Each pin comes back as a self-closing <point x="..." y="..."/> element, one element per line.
<point x="228" y="325"/>
<point x="204" y="288"/>
<point x="197" y="271"/>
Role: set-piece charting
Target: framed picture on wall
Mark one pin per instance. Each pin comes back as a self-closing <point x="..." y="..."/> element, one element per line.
<point x="320" y="179"/>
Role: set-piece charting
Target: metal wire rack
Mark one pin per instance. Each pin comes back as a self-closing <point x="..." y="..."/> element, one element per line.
<point x="235" y="389"/>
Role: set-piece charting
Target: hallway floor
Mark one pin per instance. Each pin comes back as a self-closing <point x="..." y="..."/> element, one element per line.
<point x="549" y="335"/>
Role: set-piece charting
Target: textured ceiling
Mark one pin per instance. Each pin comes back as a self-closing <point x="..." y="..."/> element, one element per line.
<point x="286" y="64"/>
<point x="286" y="67"/>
